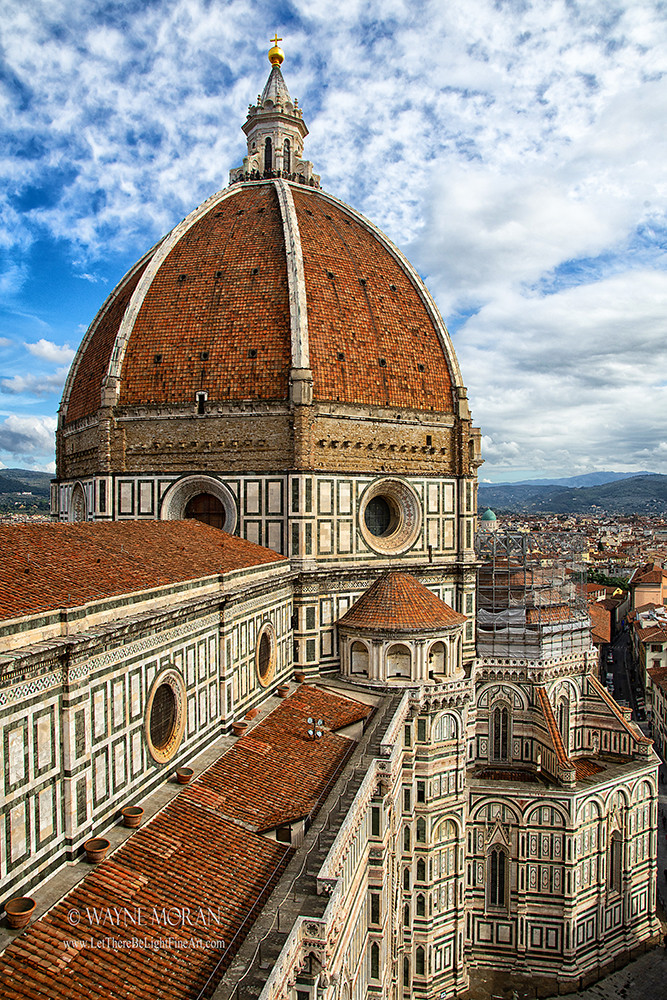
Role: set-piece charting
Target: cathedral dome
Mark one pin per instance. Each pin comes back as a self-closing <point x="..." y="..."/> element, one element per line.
<point x="266" y="278"/>
<point x="273" y="329"/>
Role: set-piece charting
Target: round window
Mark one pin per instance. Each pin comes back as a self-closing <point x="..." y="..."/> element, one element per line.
<point x="265" y="654"/>
<point x="378" y="516"/>
<point x="164" y="721"/>
<point x="163" y="716"/>
<point x="390" y="516"/>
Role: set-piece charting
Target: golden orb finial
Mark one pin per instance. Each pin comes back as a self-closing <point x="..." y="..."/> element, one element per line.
<point x="276" y="54"/>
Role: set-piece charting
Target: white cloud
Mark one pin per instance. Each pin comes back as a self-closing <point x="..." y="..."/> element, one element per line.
<point x="49" y="351"/>
<point x="36" y="385"/>
<point x="22" y="437"/>
<point x="517" y="150"/>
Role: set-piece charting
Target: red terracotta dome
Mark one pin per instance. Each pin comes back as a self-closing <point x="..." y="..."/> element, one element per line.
<point x="265" y="278"/>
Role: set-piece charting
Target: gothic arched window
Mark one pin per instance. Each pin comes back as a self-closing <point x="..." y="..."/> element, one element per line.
<point x="420" y="961"/>
<point x="500" y="724"/>
<point x="421" y="830"/>
<point x="375" y="961"/>
<point x="421" y="905"/>
<point x="268" y="155"/>
<point x="564" y="721"/>
<point x="421" y="870"/>
<point x="406" y="878"/>
<point x="497" y="876"/>
<point x="615" y="861"/>
<point x="287" y="157"/>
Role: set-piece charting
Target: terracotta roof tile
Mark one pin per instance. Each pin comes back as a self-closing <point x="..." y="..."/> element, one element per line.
<point x="283" y="769"/>
<point x="552" y="726"/>
<point x="638" y="737"/>
<point x="187" y="857"/>
<point x="93" y="358"/>
<point x="399" y="602"/>
<point x="600" y="621"/>
<point x="222" y="291"/>
<point x="49" y="566"/>
<point x="216" y="316"/>
<point x="363" y="305"/>
<point x="586" y="768"/>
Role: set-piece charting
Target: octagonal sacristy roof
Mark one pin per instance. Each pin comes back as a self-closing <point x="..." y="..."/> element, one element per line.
<point x="398" y="602"/>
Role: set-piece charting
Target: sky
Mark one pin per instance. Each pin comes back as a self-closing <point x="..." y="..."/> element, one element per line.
<point x="514" y="150"/>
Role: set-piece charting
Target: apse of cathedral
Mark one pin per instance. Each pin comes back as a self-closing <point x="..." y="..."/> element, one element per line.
<point x="398" y="772"/>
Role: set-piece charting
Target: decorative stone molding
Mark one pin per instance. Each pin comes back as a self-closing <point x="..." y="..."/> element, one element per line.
<point x="266" y="649"/>
<point x="179" y="493"/>
<point x="174" y="681"/>
<point x="405" y="519"/>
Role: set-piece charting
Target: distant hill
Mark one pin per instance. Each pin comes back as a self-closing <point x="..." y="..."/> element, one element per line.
<point x="22" y="480"/>
<point x="630" y="495"/>
<point x="15" y="483"/>
<point x="587" y="479"/>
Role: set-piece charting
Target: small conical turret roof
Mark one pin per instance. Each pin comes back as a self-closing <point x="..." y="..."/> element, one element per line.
<point x="398" y="602"/>
<point x="275" y="89"/>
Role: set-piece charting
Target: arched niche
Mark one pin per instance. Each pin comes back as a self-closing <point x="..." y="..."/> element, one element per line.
<point x="399" y="661"/>
<point x="186" y="495"/>
<point x="359" y="658"/>
<point x="437" y="659"/>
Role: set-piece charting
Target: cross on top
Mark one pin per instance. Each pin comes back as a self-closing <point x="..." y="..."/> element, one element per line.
<point x="275" y="39"/>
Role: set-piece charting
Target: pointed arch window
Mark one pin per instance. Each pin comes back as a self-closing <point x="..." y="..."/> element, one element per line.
<point x="421" y="830"/>
<point x="497" y="877"/>
<point x="287" y="157"/>
<point x="564" y="721"/>
<point x="375" y="961"/>
<point x="420" y="961"/>
<point x="421" y="870"/>
<point x="615" y="861"/>
<point x="421" y="905"/>
<point x="268" y="155"/>
<point x="500" y="725"/>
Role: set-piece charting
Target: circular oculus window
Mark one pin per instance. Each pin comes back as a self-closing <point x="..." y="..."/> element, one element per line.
<point x="390" y="516"/>
<point x="164" y="721"/>
<point x="265" y="654"/>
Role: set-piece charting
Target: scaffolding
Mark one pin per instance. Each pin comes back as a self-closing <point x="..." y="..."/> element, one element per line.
<point x="531" y="600"/>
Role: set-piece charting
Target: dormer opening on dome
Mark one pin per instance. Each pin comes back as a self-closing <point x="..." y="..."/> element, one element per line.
<point x="275" y="130"/>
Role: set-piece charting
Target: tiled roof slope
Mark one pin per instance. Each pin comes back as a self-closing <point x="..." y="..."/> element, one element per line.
<point x="633" y="731"/>
<point x="93" y="358"/>
<point x="650" y="573"/>
<point x="222" y="291"/>
<point x="363" y="305"/>
<point x="399" y="602"/>
<point x="49" y="566"/>
<point x="282" y="768"/>
<point x="552" y="726"/>
<point x="600" y="621"/>
<point x="658" y="677"/>
<point x="189" y="856"/>
<point x="216" y="316"/>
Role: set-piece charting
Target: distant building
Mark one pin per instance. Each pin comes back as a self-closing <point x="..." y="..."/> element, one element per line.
<point x="648" y="584"/>
<point x="488" y="521"/>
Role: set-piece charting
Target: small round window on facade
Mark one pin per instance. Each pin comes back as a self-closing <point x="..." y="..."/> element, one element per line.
<point x="163" y="716"/>
<point x="164" y="719"/>
<point x="390" y="516"/>
<point x="378" y="516"/>
<point x="265" y="654"/>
